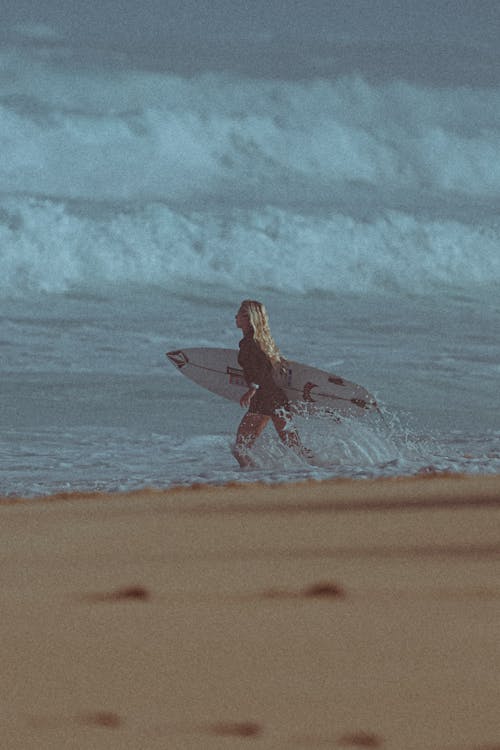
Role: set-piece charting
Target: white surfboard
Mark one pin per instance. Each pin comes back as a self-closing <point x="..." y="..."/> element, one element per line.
<point x="309" y="390"/>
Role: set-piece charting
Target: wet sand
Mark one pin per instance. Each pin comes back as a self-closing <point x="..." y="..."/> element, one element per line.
<point x="342" y="614"/>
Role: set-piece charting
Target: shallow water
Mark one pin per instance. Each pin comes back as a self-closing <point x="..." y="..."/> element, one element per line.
<point x="89" y="400"/>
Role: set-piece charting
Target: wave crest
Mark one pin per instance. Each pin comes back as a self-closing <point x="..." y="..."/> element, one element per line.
<point x="49" y="248"/>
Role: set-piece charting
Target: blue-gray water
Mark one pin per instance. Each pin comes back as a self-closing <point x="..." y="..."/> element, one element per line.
<point x="350" y="184"/>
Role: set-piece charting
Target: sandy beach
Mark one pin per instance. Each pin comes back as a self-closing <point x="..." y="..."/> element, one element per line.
<point x="340" y="614"/>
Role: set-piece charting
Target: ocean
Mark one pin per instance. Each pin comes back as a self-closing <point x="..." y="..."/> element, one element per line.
<point x="145" y="193"/>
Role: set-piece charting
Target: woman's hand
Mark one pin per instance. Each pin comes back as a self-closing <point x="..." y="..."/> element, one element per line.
<point x="247" y="397"/>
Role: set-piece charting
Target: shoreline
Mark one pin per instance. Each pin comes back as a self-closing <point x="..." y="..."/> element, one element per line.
<point x="381" y="493"/>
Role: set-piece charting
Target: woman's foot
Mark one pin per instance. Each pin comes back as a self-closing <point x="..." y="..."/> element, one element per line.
<point x="244" y="460"/>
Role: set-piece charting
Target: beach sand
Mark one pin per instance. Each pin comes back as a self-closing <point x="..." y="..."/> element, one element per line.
<point x="340" y="614"/>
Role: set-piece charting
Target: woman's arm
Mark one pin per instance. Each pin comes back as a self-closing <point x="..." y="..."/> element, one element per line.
<point x="248" y="396"/>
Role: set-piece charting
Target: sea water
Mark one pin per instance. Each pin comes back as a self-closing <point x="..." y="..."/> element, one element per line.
<point x="143" y="197"/>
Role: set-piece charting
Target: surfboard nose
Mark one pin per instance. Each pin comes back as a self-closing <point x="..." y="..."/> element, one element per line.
<point x="178" y="358"/>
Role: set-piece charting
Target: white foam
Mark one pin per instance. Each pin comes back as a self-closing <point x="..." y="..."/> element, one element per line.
<point x="125" y="134"/>
<point x="331" y="185"/>
<point x="48" y="248"/>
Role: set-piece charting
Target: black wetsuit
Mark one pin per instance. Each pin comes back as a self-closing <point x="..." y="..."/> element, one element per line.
<point x="258" y="369"/>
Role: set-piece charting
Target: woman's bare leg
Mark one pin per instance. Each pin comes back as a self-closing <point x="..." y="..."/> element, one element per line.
<point x="289" y="435"/>
<point x="248" y="431"/>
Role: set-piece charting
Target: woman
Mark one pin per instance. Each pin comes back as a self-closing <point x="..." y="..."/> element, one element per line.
<point x="260" y="360"/>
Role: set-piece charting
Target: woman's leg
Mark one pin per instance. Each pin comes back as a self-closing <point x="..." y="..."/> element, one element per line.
<point x="248" y="431"/>
<point x="289" y="435"/>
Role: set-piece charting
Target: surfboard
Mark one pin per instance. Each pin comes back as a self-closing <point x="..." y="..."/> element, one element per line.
<point x="309" y="390"/>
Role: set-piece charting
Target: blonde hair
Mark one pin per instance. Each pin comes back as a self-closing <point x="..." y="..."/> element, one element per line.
<point x="257" y="315"/>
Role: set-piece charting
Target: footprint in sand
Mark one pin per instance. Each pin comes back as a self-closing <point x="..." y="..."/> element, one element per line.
<point x="322" y="590"/>
<point x="237" y="729"/>
<point x="128" y="593"/>
<point x="106" y="719"/>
